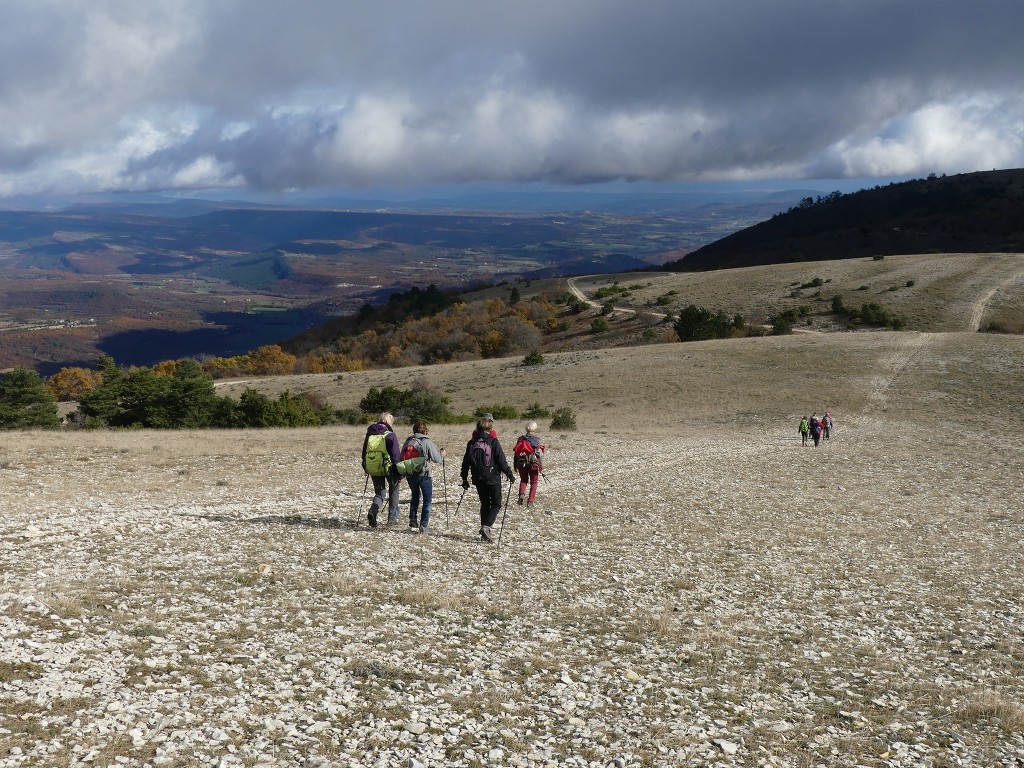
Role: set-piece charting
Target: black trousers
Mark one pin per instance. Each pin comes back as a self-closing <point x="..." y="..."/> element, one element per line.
<point x="490" y="502"/>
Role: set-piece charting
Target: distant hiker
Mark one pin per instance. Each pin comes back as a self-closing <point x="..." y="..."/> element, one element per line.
<point x="526" y="458"/>
<point x="417" y="454"/>
<point x="381" y="455"/>
<point x="804" y="429"/>
<point x="826" y="425"/>
<point x="485" y="458"/>
<point x="815" y="428"/>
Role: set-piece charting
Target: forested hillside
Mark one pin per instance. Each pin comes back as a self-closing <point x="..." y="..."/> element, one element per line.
<point x="966" y="213"/>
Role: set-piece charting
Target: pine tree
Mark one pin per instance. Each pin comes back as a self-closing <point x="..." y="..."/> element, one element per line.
<point x="25" y="402"/>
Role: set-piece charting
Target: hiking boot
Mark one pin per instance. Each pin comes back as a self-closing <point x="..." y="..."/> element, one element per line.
<point x="486" y="533"/>
<point x="522" y="498"/>
<point x="394" y="524"/>
<point x="422" y="529"/>
<point x="371" y="516"/>
<point x="531" y="507"/>
<point x="413" y="525"/>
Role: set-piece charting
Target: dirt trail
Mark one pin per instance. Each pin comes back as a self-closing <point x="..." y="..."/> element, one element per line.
<point x="977" y="311"/>
<point x="892" y="366"/>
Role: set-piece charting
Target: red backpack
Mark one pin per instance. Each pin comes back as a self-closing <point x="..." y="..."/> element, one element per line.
<point x="524" y="454"/>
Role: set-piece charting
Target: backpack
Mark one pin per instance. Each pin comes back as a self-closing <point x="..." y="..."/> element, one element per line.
<point x="481" y="458"/>
<point x="412" y="458"/>
<point x="525" y="455"/>
<point x="377" y="458"/>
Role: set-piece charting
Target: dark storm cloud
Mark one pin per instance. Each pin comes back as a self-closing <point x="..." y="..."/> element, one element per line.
<point x="272" y="94"/>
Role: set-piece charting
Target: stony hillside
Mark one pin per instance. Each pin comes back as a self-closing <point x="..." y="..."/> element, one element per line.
<point x="695" y="587"/>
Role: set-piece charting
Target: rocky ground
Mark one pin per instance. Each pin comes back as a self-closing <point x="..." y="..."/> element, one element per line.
<point x="711" y="598"/>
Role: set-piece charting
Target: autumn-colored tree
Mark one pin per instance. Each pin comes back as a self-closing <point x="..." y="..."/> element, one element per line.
<point x="71" y="383"/>
<point x="165" y="368"/>
<point x="270" y="360"/>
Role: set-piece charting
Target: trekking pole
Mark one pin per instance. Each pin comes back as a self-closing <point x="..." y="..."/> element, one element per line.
<point x="505" y="513"/>
<point x="444" y="477"/>
<point x="365" y="485"/>
<point x="456" y="512"/>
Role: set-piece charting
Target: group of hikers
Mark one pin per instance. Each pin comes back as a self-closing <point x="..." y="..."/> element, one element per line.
<point x="816" y="428"/>
<point x="386" y="462"/>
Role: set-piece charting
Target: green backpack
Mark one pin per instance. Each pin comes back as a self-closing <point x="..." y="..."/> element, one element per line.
<point x="377" y="459"/>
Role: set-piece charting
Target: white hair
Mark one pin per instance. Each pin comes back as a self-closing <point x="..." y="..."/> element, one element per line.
<point x="387" y="418"/>
<point x="531" y="427"/>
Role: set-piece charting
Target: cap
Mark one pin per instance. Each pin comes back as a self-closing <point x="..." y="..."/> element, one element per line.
<point x="488" y="416"/>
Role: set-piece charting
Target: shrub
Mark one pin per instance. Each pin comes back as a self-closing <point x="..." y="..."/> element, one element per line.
<point x="608" y="290"/>
<point x="536" y="411"/>
<point x="563" y="419"/>
<point x="607" y="308"/>
<point x="599" y="325"/>
<point x="499" y="412"/>
<point x="577" y="305"/>
<point x="421" y="401"/>
<point x="698" y="324"/>
<point x="351" y="416"/>
<point x="534" y="358"/>
<point x="878" y="257"/>
<point x="782" y="325"/>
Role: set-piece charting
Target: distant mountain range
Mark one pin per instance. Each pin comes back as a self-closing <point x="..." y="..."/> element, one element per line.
<point x="967" y="213"/>
<point x="148" y="278"/>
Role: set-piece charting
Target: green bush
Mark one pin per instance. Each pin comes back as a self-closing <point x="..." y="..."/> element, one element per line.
<point x="599" y="325"/>
<point x="563" y="419"/>
<point x="499" y="412"/>
<point x="608" y="290"/>
<point x="698" y="324"/>
<point x="577" y="305"/>
<point x="534" y="358"/>
<point x="782" y="325"/>
<point x="421" y="402"/>
<point x="536" y="411"/>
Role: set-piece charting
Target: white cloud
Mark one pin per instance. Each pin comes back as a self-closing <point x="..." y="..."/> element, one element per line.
<point x="976" y="132"/>
<point x="276" y="93"/>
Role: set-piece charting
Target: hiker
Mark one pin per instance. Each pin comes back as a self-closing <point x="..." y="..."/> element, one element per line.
<point x="486" y="459"/>
<point x="381" y="454"/>
<point x="416" y="446"/>
<point x="826" y="425"/>
<point x="804" y="429"/>
<point x="526" y="458"/>
<point x="815" y="428"/>
<point x="491" y="431"/>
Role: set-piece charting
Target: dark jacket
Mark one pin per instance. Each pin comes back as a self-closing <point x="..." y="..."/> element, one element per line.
<point x="391" y="441"/>
<point x="500" y="464"/>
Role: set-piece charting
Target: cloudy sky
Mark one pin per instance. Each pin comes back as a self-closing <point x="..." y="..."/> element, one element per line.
<point x="102" y="95"/>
